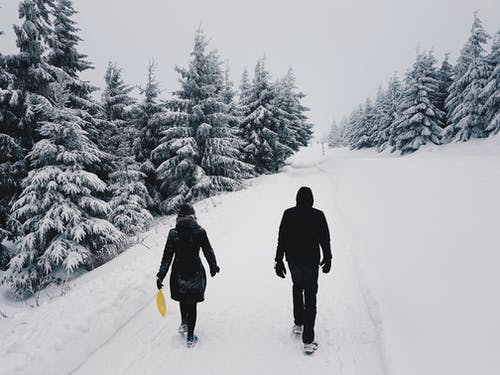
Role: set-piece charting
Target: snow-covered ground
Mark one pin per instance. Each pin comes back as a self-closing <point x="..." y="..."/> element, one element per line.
<point x="413" y="290"/>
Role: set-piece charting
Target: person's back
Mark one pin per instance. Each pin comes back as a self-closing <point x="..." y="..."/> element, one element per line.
<point x="302" y="231"/>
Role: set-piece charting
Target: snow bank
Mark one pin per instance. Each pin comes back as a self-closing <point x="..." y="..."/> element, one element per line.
<point x="425" y="231"/>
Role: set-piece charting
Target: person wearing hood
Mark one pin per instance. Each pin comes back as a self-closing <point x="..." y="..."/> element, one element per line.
<point x="187" y="279"/>
<point x="302" y="231"/>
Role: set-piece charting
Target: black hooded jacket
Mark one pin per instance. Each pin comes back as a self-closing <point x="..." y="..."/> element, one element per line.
<point x="302" y="230"/>
<point x="188" y="279"/>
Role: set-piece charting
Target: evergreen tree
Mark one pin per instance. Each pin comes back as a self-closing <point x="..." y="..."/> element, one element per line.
<point x="198" y="154"/>
<point x="491" y="91"/>
<point x="12" y="166"/>
<point x="465" y="102"/>
<point x="31" y="73"/>
<point x="334" y="135"/>
<point x="262" y="126"/>
<point x="63" y="222"/>
<point x="117" y="131"/>
<point x="149" y="122"/>
<point x="364" y="127"/>
<point x="129" y="199"/>
<point x="64" y="54"/>
<point x="379" y="117"/>
<point x="445" y="78"/>
<point x="418" y="121"/>
<point x="245" y="88"/>
<point x="25" y="79"/>
<point x="389" y="108"/>
<point x="297" y="131"/>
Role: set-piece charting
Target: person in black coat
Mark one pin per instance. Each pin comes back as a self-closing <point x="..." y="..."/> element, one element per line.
<point x="302" y="231"/>
<point x="187" y="279"/>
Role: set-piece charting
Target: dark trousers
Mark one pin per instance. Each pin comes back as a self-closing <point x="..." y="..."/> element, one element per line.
<point x="188" y="316"/>
<point x="305" y="288"/>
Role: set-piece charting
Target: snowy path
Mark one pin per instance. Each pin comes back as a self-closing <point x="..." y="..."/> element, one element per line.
<point x="244" y="326"/>
<point x="412" y="291"/>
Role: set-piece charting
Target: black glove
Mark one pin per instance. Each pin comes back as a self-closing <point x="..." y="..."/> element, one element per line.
<point x="326" y="265"/>
<point x="214" y="270"/>
<point x="159" y="283"/>
<point x="280" y="269"/>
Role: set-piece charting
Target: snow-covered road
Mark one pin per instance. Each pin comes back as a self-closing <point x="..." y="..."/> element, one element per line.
<point x="244" y="326"/>
<point x="412" y="290"/>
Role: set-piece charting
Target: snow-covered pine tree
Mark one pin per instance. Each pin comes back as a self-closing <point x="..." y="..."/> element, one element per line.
<point x="379" y="117"/>
<point x="491" y="91"/>
<point x="149" y="123"/>
<point x="364" y="127"/>
<point x="465" y="102"/>
<point x="12" y="166"/>
<point x="129" y="194"/>
<point x="419" y="120"/>
<point x="63" y="222"/>
<point x="130" y="198"/>
<point x="198" y="155"/>
<point x="297" y="130"/>
<point x="349" y="135"/>
<point x="389" y="110"/>
<point x="64" y="54"/>
<point x="263" y="125"/>
<point x="30" y="71"/>
<point x="117" y="130"/>
<point x="245" y="88"/>
<point x="445" y="78"/>
<point x="334" y="135"/>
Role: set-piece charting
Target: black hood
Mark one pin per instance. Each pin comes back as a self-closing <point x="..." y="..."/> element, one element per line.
<point x="305" y="197"/>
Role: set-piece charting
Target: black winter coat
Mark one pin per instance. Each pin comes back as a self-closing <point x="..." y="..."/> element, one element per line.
<point x="187" y="279"/>
<point x="302" y="230"/>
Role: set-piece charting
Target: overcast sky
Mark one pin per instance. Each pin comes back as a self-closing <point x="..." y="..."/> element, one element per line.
<point x="340" y="50"/>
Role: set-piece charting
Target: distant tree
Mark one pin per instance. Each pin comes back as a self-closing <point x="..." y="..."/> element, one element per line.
<point x="262" y="126"/>
<point x="465" y="102"/>
<point x="117" y="129"/>
<point x="64" y="54"/>
<point x="130" y="198"/>
<point x="198" y="154"/>
<point x="491" y="92"/>
<point x="297" y="131"/>
<point x="364" y="127"/>
<point x="445" y="79"/>
<point x="148" y="118"/>
<point x="334" y="135"/>
<point x="419" y="120"/>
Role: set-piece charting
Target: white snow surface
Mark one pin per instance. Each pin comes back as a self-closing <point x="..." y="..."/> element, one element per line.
<point x="413" y="290"/>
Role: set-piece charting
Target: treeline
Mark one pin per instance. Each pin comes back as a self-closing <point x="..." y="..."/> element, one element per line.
<point x="79" y="177"/>
<point x="433" y="104"/>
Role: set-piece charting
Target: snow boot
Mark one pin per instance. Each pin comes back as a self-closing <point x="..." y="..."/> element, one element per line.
<point x="310" y="348"/>
<point x="183" y="328"/>
<point x="191" y="341"/>
<point x="297" y="330"/>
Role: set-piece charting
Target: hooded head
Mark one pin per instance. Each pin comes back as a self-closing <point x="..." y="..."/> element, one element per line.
<point x="186" y="209"/>
<point x="305" y="197"/>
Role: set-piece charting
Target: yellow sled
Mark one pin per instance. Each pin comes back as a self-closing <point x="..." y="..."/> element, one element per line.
<point x="160" y="303"/>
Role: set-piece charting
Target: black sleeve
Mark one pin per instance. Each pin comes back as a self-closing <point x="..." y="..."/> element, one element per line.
<point x="168" y="254"/>
<point x="282" y="234"/>
<point x="207" y="249"/>
<point x="324" y="237"/>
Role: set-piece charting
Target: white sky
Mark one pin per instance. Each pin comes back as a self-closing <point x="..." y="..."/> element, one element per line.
<point x="340" y="50"/>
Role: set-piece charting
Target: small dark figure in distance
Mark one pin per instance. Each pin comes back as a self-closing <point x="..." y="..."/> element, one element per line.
<point x="302" y="230"/>
<point x="187" y="279"/>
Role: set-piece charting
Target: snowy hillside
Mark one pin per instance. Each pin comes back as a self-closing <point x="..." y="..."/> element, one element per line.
<point x="412" y="291"/>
